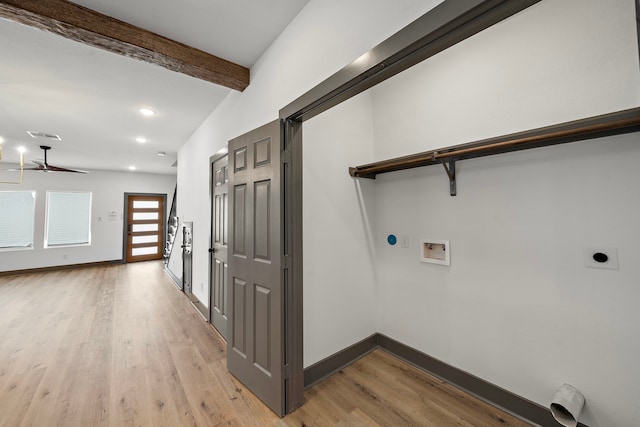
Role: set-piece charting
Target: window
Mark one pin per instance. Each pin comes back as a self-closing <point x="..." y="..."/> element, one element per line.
<point x="68" y="219"/>
<point x="16" y="219"/>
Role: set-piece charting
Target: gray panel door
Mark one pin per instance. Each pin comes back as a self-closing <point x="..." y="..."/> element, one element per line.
<point x="256" y="339"/>
<point x="219" y="242"/>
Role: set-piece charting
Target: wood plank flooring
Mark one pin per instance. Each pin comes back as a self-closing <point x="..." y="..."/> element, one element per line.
<point x="122" y="346"/>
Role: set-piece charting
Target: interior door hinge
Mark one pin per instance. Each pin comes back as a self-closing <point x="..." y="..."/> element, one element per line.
<point x="286" y="261"/>
<point x="286" y="371"/>
<point x="286" y="155"/>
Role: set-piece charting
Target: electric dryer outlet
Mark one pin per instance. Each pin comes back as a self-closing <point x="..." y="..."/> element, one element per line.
<point x="606" y="258"/>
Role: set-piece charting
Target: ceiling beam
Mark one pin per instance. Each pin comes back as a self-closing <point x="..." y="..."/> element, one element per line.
<point x="87" y="26"/>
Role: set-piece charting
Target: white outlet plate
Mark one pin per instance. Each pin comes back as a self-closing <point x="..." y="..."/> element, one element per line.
<point x="404" y="241"/>
<point x="610" y="264"/>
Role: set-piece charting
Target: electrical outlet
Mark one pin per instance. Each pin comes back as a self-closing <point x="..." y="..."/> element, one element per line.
<point x="404" y="241"/>
<point x="606" y="258"/>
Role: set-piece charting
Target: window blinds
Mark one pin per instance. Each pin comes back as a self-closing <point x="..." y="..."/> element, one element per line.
<point x="68" y="218"/>
<point x="16" y="219"/>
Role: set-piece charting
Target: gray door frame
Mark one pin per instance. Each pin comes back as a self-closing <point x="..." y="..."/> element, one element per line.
<point x="442" y="27"/>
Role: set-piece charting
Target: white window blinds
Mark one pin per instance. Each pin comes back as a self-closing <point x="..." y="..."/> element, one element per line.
<point x="16" y="219"/>
<point x="68" y="218"/>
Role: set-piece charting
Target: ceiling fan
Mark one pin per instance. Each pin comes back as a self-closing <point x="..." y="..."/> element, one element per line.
<point x="46" y="167"/>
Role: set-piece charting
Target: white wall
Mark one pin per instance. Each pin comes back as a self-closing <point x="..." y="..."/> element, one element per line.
<point x="338" y="244"/>
<point x="517" y="306"/>
<point x="108" y="190"/>
<point x="556" y="61"/>
<point x="309" y="50"/>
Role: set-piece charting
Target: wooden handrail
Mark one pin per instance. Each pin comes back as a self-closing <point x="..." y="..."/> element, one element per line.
<point x="593" y="127"/>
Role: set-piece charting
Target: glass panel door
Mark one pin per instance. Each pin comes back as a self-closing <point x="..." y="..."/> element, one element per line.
<point x="145" y="228"/>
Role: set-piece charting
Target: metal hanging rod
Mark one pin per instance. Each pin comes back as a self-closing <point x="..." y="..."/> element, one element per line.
<point x="617" y="123"/>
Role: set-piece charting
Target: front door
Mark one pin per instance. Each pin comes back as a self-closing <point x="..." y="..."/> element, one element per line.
<point x="255" y="346"/>
<point x="145" y="227"/>
<point x="218" y="285"/>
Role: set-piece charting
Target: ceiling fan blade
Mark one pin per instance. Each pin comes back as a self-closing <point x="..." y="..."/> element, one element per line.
<point x="46" y="167"/>
<point x="18" y="170"/>
<point x="59" y="169"/>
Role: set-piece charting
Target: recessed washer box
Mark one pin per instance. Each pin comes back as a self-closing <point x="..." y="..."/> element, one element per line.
<point x="606" y="258"/>
<point x="435" y="251"/>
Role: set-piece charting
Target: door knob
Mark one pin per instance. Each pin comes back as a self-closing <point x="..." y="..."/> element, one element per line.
<point x="212" y="250"/>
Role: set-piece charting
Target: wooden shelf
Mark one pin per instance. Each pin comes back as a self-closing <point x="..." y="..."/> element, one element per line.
<point x="617" y="123"/>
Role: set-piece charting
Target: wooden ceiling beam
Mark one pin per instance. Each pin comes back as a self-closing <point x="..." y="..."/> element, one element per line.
<point x="87" y="26"/>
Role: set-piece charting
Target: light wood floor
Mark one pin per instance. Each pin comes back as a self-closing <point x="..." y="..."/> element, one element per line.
<point x="120" y="345"/>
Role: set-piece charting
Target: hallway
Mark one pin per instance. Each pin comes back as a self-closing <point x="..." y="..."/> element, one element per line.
<point x="120" y="345"/>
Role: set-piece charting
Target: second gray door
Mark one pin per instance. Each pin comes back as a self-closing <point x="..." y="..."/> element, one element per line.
<point x="219" y="240"/>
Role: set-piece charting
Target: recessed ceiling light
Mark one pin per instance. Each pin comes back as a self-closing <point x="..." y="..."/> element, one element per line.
<point x="132" y="168"/>
<point x="147" y="112"/>
<point x="141" y="140"/>
<point x="161" y="153"/>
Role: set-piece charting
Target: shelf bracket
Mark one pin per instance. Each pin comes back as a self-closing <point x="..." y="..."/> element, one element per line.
<point x="451" y="173"/>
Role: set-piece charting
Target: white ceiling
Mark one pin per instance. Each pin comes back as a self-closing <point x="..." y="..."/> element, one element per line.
<point x="91" y="97"/>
